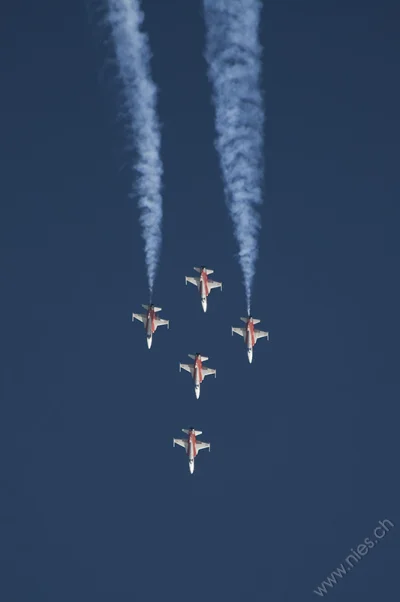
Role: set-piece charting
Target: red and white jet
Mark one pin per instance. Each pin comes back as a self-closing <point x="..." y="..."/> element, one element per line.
<point x="203" y="284"/>
<point x="192" y="446"/>
<point x="250" y="334"/>
<point x="150" y="321"/>
<point x="198" y="371"/>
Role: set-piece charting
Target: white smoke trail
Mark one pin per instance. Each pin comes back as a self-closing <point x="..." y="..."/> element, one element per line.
<point x="233" y="53"/>
<point x="133" y="54"/>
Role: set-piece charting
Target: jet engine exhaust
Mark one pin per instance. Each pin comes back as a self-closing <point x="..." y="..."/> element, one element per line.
<point x="233" y="53"/>
<point x="133" y="56"/>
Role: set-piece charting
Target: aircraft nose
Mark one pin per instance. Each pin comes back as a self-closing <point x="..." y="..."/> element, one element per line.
<point x="149" y="341"/>
<point x="197" y="391"/>
<point x="191" y="466"/>
<point x="250" y="355"/>
<point x="204" y="304"/>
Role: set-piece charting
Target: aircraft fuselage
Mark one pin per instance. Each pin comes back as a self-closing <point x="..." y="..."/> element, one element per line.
<point x="203" y="288"/>
<point x="197" y="376"/>
<point x="191" y="451"/>
<point x="250" y="340"/>
<point x="150" y="327"/>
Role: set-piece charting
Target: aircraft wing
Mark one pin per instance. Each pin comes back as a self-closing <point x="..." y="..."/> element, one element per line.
<point x="187" y="367"/>
<point x="161" y="322"/>
<point x="213" y="284"/>
<point x="194" y="281"/>
<point x="241" y="331"/>
<point x="140" y="317"/>
<point x="201" y="445"/>
<point x="181" y="442"/>
<point x="259" y="334"/>
<point x="208" y="371"/>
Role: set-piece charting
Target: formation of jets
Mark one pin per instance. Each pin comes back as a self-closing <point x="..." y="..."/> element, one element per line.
<point x="197" y="369"/>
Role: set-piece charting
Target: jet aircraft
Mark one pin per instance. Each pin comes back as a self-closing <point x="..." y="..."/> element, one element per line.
<point x="150" y="321"/>
<point x="250" y="334"/>
<point x="203" y="284"/>
<point x="198" y="371"/>
<point x="192" y="446"/>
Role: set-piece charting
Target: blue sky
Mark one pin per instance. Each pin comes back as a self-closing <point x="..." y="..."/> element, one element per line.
<point x="96" y="504"/>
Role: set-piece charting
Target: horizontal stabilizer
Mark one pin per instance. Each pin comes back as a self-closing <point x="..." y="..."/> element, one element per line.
<point x="255" y="321"/>
<point x="154" y="308"/>
<point x="204" y="358"/>
<point x="205" y="269"/>
<point x="145" y="306"/>
<point x="195" y="432"/>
